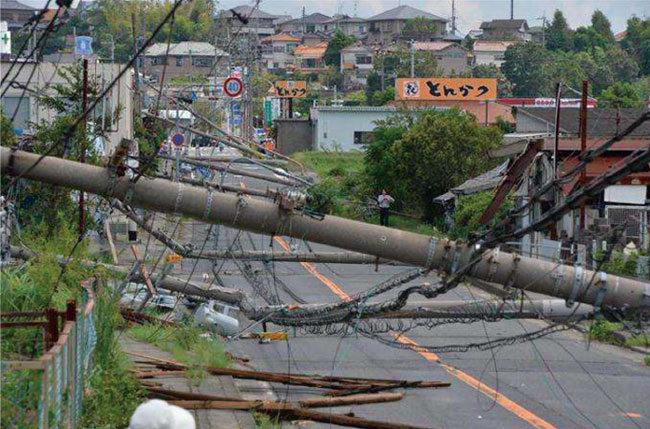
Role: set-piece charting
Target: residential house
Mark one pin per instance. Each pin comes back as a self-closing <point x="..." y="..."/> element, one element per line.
<point x="16" y="14"/>
<point x="258" y="24"/>
<point x="309" y="59"/>
<point x="490" y="52"/>
<point x="277" y="50"/>
<point x="184" y="59"/>
<point x="347" y="128"/>
<point x="387" y="26"/>
<point x="356" y="63"/>
<point x="307" y="24"/>
<point x="113" y="114"/>
<point x="505" y="29"/>
<point x="537" y="34"/>
<point x="452" y="58"/>
<point x="624" y="201"/>
<point x="314" y="39"/>
<point x="350" y="26"/>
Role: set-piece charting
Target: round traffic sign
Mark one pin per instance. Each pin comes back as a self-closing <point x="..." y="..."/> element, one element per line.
<point x="233" y="87"/>
<point x="178" y="139"/>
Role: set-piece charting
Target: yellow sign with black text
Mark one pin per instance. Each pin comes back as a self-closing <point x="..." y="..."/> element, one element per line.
<point x="290" y="88"/>
<point x="445" y="89"/>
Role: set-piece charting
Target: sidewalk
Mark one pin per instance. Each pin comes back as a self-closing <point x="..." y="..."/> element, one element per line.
<point x="213" y="385"/>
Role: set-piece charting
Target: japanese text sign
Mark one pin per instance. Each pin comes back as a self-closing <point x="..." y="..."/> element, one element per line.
<point x="446" y="89"/>
<point x="290" y="88"/>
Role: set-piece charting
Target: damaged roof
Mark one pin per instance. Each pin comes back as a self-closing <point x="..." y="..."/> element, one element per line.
<point x="484" y="182"/>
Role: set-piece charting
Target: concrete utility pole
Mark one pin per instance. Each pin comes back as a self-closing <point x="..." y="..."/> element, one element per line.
<point x="512" y="9"/>
<point x="453" y="16"/>
<point x="583" y="148"/>
<point x="566" y="282"/>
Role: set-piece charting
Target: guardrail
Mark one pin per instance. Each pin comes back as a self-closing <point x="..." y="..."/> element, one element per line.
<point x="47" y="392"/>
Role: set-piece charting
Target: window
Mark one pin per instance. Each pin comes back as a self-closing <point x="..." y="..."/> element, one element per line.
<point x="362" y="137"/>
<point x="276" y="65"/>
<point x="159" y="61"/>
<point x="290" y="47"/>
<point x="202" y="62"/>
<point x="179" y="61"/>
<point x="364" y="59"/>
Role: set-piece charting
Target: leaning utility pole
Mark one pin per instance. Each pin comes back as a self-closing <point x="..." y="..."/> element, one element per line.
<point x="573" y="283"/>
<point x="82" y="142"/>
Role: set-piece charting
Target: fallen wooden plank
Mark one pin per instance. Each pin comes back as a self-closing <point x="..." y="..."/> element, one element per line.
<point x="376" y="388"/>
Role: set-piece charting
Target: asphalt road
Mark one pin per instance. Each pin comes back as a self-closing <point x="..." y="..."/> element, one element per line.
<point x="558" y="381"/>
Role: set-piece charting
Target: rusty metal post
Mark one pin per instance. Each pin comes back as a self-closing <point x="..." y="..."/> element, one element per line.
<point x="583" y="148"/>
<point x="558" y="99"/>
<point x="71" y="311"/>
<point x="51" y="328"/>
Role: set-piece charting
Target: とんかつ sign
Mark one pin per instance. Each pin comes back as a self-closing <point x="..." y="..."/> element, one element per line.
<point x="290" y="88"/>
<point x="446" y="89"/>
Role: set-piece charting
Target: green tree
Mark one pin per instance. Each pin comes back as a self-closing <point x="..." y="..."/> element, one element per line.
<point x="420" y="28"/>
<point x="469" y="210"/>
<point x="504" y="87"/>
<point x="332" y="55"/>
<point x="526" y="68"/>
<point x="637" y="42"/>
<point x="558" y="34"/>
<point x="418" y="158"/>
<point x="332" y="77"/>
<point x="602" y="27"/>
<point x="380" y="98"/>
<point x="621" y="94"/>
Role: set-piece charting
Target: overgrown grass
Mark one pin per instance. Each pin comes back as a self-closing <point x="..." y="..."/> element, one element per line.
<point x="602" y="330"/>
<point x="186" y="344"/>
<point x="114" y="393"/>
<point x="264" y="421"/>
<point x="646" y="360"/>
<point x="331" y="163"/>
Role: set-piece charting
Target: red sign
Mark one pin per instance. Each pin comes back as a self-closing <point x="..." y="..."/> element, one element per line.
<point x="178" y="139"/>
<point x="233" y="87"/>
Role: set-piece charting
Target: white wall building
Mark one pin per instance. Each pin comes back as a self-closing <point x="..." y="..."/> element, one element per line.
<point x="29" y="110"/>
<point x="490" y="52"/>
<point x="347" y="128"/>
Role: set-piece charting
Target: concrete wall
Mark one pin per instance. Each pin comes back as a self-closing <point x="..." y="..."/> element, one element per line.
<point x="181" y="66"/>
<point x="335" y="128"/>
<point x="294" y="135"/>
<point x="526" y="124"/>
<point x="453" y="59"/>
<point x="491" y="57"/>
<point x="46" y="76"/>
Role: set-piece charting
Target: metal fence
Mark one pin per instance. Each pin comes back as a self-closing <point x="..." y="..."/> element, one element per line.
<point x="47" y="392"/>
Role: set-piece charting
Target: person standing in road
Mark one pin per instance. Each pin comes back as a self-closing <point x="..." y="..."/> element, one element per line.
<point x="384" y="201"/>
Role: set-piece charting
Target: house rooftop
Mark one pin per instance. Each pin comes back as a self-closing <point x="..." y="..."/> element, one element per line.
<point x="314" y="18"/>
<point x="491" y="45"/>
<point x="505" y="24"/>
<point x="600" y="122"/>
<point x="405" y="12"/>
<point x="311" y="51"/>
<point x="484" y="182"/>
<point x="15" y="5"/>
<point x="432" y="46"/>
<point x="185" y="48"/>
<point x="281" y="37"/>
<point x="249" y="12"/>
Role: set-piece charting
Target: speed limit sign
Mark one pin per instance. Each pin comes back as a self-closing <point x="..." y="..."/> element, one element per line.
<point x="233" y="87"/>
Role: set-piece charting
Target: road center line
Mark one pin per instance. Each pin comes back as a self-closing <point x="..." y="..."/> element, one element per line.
<point x="500" y="399"/>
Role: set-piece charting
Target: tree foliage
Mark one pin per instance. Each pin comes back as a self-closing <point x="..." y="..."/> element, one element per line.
<point x="525" y="67"/>
<point x="637" y="42"/>
<point x="558" y="34"/>
<point x="621" y="94"/>
<point x="420" y="28"/>
<point x="417" y="158"/>
<point x="332" y="55"/>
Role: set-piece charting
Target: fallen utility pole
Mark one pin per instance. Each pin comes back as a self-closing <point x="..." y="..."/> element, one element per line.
<point x="270" y="162"/>
<point x="567" y="282"/>
<point x="267" y="193"/>
<point x="237" y="171"/>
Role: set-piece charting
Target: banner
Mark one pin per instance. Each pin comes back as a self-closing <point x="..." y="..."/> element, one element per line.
<point x="445" y="89"/>
<point x="290" y="88"/>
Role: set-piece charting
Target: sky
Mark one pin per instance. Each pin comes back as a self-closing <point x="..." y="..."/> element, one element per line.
<point x="470" y="13"/>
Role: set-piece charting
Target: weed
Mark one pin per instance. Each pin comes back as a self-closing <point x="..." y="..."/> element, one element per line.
<point x="187" y="345"/>
<point x="264" y="421"/>
<point x="646" y="360"/>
